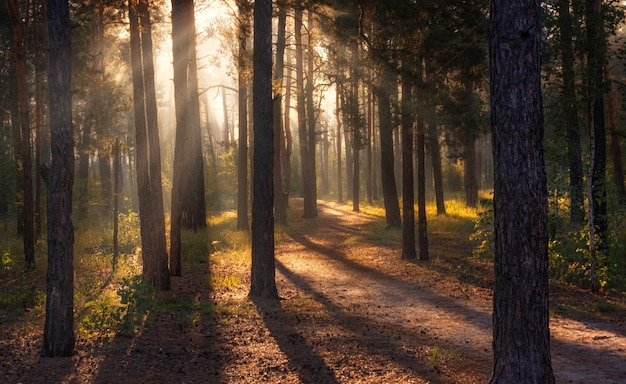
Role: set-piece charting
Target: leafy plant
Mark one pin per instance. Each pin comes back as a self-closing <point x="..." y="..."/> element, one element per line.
<point x="23" y="297"/>
<point x="483" y="230"/>
<point x="136" y="301"/>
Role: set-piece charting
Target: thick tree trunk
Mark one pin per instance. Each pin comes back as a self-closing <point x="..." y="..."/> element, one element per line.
<point x="570" y="111"/>
<point x="368" y="152"/>
<point x="25" y="163"/>
<point x="388" y="181"/>
<point x="58" y="334"/>
<point x="408" y="197"/>
<point x="521" y="337"/>
<point x="422" y="233"/>
<point x="263" y="282"/>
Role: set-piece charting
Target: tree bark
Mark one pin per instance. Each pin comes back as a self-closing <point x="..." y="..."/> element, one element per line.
<point x="570" y="111"/>
<point x="388" y="181"/>
<point x="58" y="336"/>
<point x="308" y="169"/>
<point x="280" y="197"/>
<point x="180" y="54"/>
<point x="25" y="162"/>
<point x="263" y="281"/>
<point x="338" y="139"/>
<point x="408" y="197"/>
<point x="596" y="47"/>
<point x="310" y="203"/>
<point x="154" y="253"/>
<point x="194" y="202"/>
<point x="243" y="34"/>
<point x="521" y="337"/>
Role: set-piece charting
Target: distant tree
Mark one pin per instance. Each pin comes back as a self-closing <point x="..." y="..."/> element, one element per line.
<point x="281" y="195"/>
<point x="263" y="281"/>
<point x="152" y="221"/>
<point x="598" y="219"/>
<point x="244" y="30"/>
<point x="570" y="112"/>
<point x="304" y="129"/>
<point x="58" y="335"/>
<point x="181" y="48"/>
<point x="521" y="337"/>
<point x="408" y="197"/>
<point x="25" y="163"/>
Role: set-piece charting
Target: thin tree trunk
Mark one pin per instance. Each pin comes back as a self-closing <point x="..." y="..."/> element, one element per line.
<point x="243" y="34"/>
<point x="616" y="151"/>
<point x="310" y="204"/>
<point x="422" y="233"/>
<point x="408" y="198"/>
<point x="576" y="193"/>
<point x="117" y="181"/>
<point x="154" y="253"/>
<point x="339" y="120"/>
<point x="194" y="203"/>
<point x="596" y="47"/>
<point x="280" y="198"/>
<point x="180" y="54"/>
<point x="388" y="181"/>
<point x="25" y="164"/>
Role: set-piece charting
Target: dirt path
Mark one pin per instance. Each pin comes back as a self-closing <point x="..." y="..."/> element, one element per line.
<point x="354" y="278"/>
<point x="351" y="312"/>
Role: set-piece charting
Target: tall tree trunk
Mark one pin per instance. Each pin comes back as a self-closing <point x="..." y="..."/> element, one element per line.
<point x="243" y="34"/>
<point x="408" y="197"/>
<point x="180" y="54"/>
<point x="521" y="335"/>
<point x="469" y="151"/>
<point x="194" y="202"/>
<point x="39" y="126"/>
<point x="422" y="233"/>
<point x="25" y="163"/>
<point x="288" y="140"/>
<point x="310" y="204"/>
<point x="338" y="139"/>
<point x="308" y="169"/>
<point x="263" y="282"/>
<point x="434" y="148"/>
<point x="388" y="181"/>
<point x="356" y="132"/>
<point x="369" y="142"/>
<point x="117" y="188"/>
<point x="280" y="197"/>
<point x="570" y="111"/>
<point x="58" y="334"/>
<point x="148" y="161"/>
<point x="596" y="47"/>
<point x="616" y="151"/>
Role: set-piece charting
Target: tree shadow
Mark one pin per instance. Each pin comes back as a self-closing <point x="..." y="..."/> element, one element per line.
<point x="310" y="366"/>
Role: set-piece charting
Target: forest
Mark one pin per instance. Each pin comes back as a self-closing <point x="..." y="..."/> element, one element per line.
<point x="319" y="191"/>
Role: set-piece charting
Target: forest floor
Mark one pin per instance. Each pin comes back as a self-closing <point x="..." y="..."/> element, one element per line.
<point x="351" y="312"/>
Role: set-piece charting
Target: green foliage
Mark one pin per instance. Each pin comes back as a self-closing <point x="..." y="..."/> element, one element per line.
<point x="136" y="301"/>
<point x="129" y="235"/>
<point x="23" y="297"/>
<point x="483" y="230"/>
